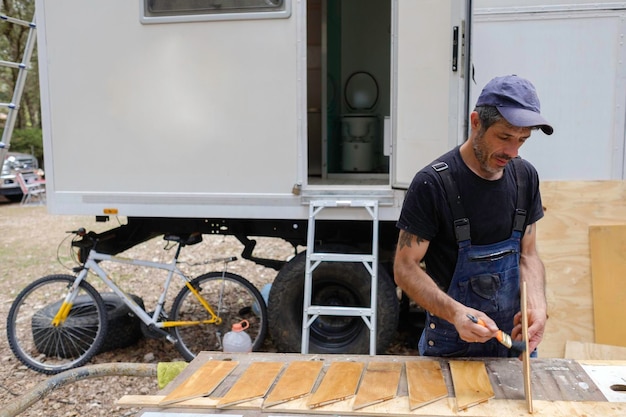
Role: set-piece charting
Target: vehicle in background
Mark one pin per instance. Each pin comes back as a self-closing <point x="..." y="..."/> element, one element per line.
<point x="15" y="162"/>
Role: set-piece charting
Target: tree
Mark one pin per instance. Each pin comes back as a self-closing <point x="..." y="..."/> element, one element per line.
<point x="12" y="45"/>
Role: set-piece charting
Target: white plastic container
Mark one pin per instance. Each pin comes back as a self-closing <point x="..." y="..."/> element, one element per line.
<point x="237" y="340"/>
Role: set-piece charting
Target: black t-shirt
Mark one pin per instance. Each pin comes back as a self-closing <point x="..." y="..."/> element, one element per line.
<point x="489" y="205"/>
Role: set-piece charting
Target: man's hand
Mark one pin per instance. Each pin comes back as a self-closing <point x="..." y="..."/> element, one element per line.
<point x="473" y="332"/>
<point x="536" y="327"/>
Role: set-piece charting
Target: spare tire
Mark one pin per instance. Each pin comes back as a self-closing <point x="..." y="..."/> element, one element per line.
<point x="123" y="326"/>
<point x="334" y="284"/>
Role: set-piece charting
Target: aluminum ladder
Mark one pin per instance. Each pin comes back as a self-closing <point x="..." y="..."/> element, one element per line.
<point x="314" y="259"/>
<point x="23" y="67"/>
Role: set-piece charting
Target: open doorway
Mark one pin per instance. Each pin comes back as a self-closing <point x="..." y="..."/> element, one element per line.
<point x="348" y="91"/>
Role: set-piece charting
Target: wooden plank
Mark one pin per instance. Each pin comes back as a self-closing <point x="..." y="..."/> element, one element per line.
<point x="471" y="383"/>
<point x="379" y="383"/>
<point x="593" y="351"/>
<point x="202" y="382"/>
<point x="339" y="383"/>
<point x="254" y="383"/>
<point x="426" y="383"/>
<point x="297" y="381"/>
<point x="528" y="393"/>
<point x="608" y="269"/>
<point x="398" y="407"/>
<point x="563" y="242"/>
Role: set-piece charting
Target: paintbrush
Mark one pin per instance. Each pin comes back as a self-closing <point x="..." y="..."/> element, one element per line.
<point x="515" y="346"/>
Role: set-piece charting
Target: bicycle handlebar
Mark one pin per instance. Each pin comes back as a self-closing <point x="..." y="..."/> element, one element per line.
<point x="80" y="232"/>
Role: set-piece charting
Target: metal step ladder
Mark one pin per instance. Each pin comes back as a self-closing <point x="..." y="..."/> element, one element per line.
<point x="23" y="67"/>
<point x="314" y="259"/>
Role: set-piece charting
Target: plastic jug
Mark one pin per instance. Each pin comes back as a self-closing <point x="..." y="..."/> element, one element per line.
<point x="237" y="340"/>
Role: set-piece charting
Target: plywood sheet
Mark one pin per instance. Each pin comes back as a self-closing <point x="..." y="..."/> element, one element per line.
<point x="563" y="244"/>
<point x="608" y="269"/>
<point x="254" y="383"/>
<point x="594" y="351"/>
<point x="379" y="383"/>
<point x="339" y="383"/>
<point x="202" y="382"/>
<point x="297" y="381"/>
<point x="471" y="383"/>
<point x="426" y="383"/>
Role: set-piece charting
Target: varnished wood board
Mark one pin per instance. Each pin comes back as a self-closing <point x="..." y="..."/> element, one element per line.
<point x="528" y="392"/>
<point x="254" y="383"/>
<point x="426" y="383"/>
<point x="608" y="269"/>
<point x="339" y="383"/>
<point x="379" y="383"/>
<point x="202" y="382"/>
<point x="471" y="383"/>
<point x="297" y="381"/>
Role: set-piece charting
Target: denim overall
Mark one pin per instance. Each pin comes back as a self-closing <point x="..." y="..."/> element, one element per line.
<point x="486" y="278"/>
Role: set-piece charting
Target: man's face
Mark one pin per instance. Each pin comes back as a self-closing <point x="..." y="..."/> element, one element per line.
<point x="496" y="146"/>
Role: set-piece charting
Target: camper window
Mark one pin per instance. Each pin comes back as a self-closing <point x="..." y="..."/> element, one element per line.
<point x="164" y="11"/>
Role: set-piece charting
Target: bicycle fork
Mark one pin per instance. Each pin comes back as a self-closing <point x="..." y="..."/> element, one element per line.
<point x="68" y="302"/>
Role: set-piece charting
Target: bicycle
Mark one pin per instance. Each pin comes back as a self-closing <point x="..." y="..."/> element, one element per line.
<point x="59" y="322"/>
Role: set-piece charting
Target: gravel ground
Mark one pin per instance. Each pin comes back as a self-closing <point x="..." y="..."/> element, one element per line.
<point x="30" y="245"/>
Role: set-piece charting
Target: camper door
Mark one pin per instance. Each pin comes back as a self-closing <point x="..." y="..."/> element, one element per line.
<point x="431" y="44"/>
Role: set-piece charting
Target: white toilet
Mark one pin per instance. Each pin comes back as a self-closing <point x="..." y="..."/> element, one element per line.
<point x="360" y="128"/>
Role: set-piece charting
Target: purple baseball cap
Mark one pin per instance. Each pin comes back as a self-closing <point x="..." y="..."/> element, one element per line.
<point x="516" y="100"/>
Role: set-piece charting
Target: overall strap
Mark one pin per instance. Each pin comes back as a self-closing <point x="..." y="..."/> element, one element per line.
<point x="522" y="186"/>
<point x="461" y="222"/>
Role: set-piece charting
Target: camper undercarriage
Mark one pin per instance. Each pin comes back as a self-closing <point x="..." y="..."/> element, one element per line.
<point x="337" y="284"/>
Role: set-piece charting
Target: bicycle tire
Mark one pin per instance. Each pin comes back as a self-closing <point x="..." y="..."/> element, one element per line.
<point x="232" y="297"/>
<point x="50" y="349"/>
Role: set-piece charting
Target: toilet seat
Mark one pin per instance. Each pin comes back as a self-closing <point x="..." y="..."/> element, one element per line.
<point x="361" y="91"/>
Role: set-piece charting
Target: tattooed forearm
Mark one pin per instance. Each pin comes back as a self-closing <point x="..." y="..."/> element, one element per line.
<point x="529" y="229"/>
<point x="405" y="239"/>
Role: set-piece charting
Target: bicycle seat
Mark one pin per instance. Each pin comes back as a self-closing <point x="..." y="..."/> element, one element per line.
<point x="184" y="239"/>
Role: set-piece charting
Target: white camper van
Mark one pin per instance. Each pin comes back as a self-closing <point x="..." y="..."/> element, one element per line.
<point x="300" y="120"/>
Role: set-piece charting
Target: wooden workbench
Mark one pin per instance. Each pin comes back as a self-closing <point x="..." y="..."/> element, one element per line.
<point x="560" y="387"/>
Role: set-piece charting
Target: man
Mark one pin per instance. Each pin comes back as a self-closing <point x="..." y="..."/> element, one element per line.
<point x="470" y="218"/>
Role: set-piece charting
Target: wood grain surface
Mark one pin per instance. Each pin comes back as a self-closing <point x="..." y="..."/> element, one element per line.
<point x="339" y="383"/>
<point x="471" y="383"/>
<point x="595" y="351"/>
<point x="563" y="244"/>
<point x="608" y="270"/>
<point x="379" y="383"/>
<point x="254" y="383"/>
<point x="425" y="382"/>
<point x="561" y="387"/>
<point x="297" y="381"/>
<point x="202" y="382"/>
<point x="528" y="392"/>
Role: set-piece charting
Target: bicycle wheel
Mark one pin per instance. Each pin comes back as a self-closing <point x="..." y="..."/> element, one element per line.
<point x="52" y="349"/>
<point x="232" y="297"/>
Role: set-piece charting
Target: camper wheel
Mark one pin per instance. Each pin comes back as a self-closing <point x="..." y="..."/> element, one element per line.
<point x="334" y="284"/>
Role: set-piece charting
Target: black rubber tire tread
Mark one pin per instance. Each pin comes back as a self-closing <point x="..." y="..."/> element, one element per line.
<point x="250" y="306"/>
<point x="86" y="325"/>
<point x="14" y="198"/>
<point x="341" y="284"/>
<point x="123" y="327"/>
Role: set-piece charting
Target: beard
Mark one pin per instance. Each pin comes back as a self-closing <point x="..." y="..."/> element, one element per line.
<point x="481" y="152"/>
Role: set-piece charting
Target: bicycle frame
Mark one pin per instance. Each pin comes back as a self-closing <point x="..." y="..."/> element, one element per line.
<point x="92" y="265"/>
